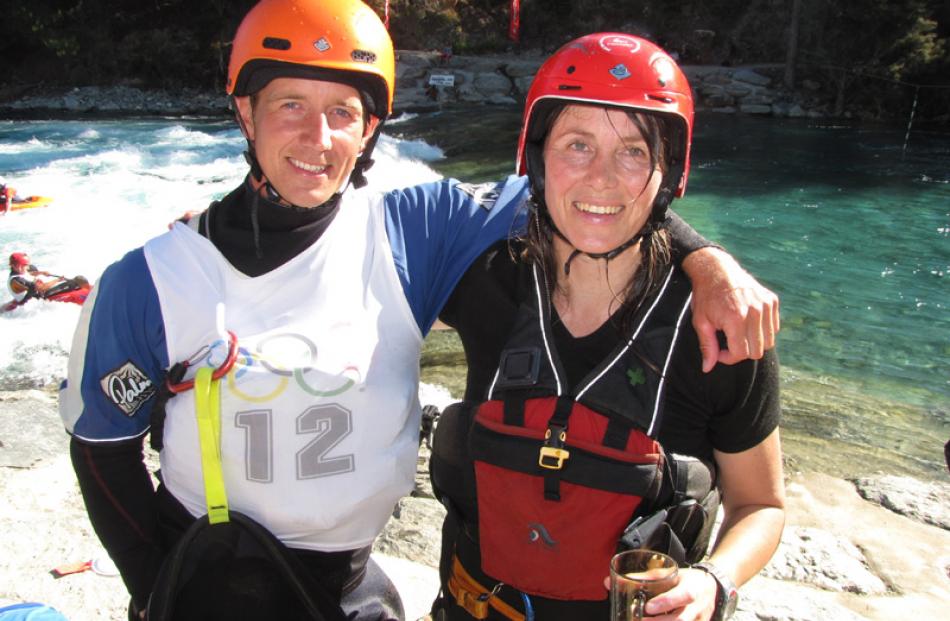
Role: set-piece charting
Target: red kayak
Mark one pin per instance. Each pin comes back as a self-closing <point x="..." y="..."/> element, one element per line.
<point x="74" y="290"/>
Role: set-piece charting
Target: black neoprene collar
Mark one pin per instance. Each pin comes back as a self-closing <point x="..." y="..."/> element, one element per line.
<point x="281" y="232"/>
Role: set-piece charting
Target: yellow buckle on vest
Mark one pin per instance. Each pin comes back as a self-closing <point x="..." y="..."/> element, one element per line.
<point x="553" y="454"/>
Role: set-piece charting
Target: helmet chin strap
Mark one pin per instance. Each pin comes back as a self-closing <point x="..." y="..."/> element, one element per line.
<point x="657" y="215"/>
<point x="606" y="256"/>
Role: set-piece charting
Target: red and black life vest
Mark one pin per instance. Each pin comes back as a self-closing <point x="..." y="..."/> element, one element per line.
<point x="561" y="470"/>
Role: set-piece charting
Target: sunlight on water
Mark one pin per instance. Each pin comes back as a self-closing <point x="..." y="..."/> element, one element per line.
<point x="852" y="234"/>
<point x="114" y="185"/>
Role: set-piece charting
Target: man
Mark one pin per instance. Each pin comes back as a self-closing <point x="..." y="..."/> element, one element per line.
<point x="328" y="291"/>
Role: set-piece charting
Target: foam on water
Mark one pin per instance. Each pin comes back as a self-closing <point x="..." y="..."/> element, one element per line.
<point x="115" y="185"/>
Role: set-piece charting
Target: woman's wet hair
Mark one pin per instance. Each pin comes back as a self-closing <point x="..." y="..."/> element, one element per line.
<point x="655" y="249"/>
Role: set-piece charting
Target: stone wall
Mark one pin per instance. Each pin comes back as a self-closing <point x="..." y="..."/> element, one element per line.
<point x="499" y="80"/>
<point x="505" y="80"/>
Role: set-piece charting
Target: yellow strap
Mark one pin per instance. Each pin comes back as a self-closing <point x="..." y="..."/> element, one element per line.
<point x="474" y="598"/>
<point x="208" y="410"/>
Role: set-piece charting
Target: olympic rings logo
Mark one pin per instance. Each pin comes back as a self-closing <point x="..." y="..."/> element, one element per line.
<point x="299" y="346"/>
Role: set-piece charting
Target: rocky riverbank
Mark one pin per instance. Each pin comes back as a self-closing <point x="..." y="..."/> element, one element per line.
<point x="427" y="81"/>
<point x="877" y="547"/>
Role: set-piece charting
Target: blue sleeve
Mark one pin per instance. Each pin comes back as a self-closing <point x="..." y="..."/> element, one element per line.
<point x="437" y="230"/>
<point x="118" y="357"/>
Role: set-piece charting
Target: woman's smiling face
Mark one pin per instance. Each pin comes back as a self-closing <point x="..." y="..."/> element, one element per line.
<point x="599" y="177"/>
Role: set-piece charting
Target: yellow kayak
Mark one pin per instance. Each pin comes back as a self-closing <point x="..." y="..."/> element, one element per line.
<point x="29" y="202"/>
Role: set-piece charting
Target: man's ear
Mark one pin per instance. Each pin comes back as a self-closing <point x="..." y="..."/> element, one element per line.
<point x="368" y="130"/>
<point x="245" y="113"/>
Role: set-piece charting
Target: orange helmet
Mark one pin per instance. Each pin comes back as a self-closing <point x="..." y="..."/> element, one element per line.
<point x="19" y="259"/>
<point x="333" y="40"/>
<point x="609" y="69"/>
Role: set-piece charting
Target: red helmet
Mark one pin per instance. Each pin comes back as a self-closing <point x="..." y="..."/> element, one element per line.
<point x="19" y="259"/>
<point x="610" y="69"/>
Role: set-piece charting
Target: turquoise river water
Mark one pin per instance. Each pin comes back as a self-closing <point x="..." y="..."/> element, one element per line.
<point x="850" y="230"/>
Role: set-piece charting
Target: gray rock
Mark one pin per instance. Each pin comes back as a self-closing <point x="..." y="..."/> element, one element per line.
<point x="501" y="100"/>
<point x="738" y="89"/>
<point x="415" y="530"/>
<point x="819" y="558"/>
<point x="416" y="533"/>
<point x="462" y="76"/>
<point x="522" y="68"/>
<point x="405" y="71"/>
<point x="492" y="83"/>
<point x="759" y="98"/>
<point x="755" y="109"/>
<point x="415" y="58"/>
<point x="747" y="75"/>
<point x="770" y="600"/>
<point x="30" y="429"/>
<point x="924" y="501"/>
<point x="523" y="84"/>
<point x="467" y="93"/>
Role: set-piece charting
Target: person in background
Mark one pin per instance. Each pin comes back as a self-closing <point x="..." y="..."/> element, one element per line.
<point x="6" y="196"/>
<point x="326" y="291"/>
<point x="25" y="283"/>
<point x="589" y="424"/>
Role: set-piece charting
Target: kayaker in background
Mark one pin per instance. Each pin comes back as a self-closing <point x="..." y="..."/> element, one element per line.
<point x="6" y="196"/>
<point x="23" y="281"/>
<point x="326" y="291"/>
<point x="27" y="282"/>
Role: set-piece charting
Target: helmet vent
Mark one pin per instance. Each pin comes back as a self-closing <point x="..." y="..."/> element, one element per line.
<point x="275" y="43"/>
<point x="571" y="69"/>
<point x="568" y="87"/>
<point x="660" y="98"/>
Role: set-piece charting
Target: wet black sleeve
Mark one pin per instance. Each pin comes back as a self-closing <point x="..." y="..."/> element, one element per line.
<point x="684" y="238"/>
<point x="120" y="501"/>
<point x="730" y="409"/>
<point x="751" y="411"/>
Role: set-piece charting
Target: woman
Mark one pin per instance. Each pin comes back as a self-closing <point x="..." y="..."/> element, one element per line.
<point x="587" y="383"/>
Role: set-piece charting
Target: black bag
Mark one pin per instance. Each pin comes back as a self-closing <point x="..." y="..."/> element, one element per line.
<point x="237" y="571"/>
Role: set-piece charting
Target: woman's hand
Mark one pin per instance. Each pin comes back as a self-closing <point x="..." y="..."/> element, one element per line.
<point x="184" y="218"/>
<point x="692" y="599"/>
<point x="727" y="298"/>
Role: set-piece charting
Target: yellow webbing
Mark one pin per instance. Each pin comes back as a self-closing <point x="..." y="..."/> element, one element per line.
<point x="208" y="410"/>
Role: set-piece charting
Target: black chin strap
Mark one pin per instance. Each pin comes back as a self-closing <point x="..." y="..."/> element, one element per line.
<point x="606" y="256"/>
<point x="658" y="214"/>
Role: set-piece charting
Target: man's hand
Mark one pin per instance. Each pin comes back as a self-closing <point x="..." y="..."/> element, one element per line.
<point x="727" y="298"/>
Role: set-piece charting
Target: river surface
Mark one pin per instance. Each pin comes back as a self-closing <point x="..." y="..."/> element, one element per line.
<point x="850" y="229"/>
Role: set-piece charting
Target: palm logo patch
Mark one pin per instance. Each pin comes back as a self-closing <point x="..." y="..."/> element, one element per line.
<point x="128" y="387"/>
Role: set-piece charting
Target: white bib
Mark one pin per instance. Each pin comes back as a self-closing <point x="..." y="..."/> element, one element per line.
<point x="320" y="414"/>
